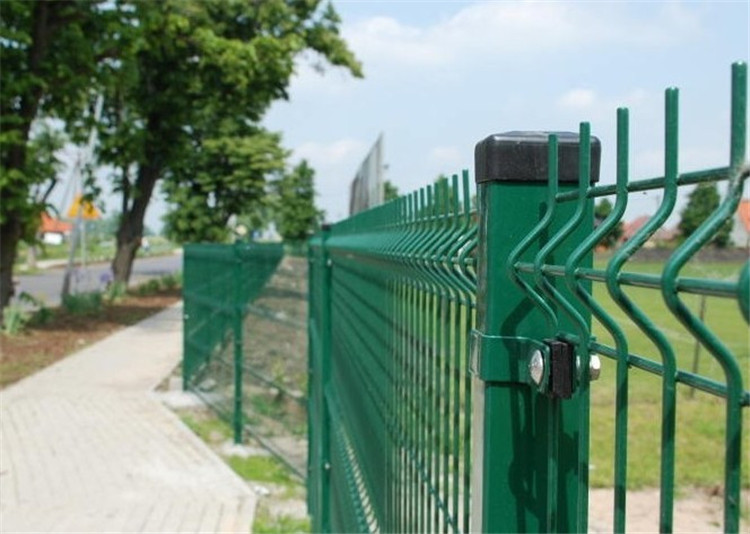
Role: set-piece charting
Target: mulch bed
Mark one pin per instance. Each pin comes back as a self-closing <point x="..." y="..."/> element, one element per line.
<point x="41" y="345"/>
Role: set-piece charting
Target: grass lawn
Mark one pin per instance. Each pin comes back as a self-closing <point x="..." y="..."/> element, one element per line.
<point x="700" y="416"/>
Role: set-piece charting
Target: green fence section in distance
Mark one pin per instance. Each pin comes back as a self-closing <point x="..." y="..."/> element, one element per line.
<point x="220" y="283"/>
<point x="453" y="352"/>
<point x="392" y="305"/>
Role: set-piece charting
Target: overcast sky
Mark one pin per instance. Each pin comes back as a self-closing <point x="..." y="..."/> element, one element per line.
<point x="440" y="76"/>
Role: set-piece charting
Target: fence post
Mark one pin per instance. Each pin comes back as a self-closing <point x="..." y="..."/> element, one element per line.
<point x="530" y="450"/>
<point x="187" y="354"/>
<point x="238" y="335"/>
<point x="322" y="523"/>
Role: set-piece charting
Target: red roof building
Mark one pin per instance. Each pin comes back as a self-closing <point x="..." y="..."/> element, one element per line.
<point x="740" y="235"/>
<point x="53" y="231"/>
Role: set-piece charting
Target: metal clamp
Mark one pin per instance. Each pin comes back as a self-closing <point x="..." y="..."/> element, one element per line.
<point x="505" y="359"/>
<point x="549" y="366"/>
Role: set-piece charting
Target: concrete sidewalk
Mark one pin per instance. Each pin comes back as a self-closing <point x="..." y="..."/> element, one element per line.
<point x="88" y="446"/>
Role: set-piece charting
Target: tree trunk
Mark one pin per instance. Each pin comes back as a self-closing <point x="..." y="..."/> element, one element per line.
<point x="10" y="235"/>
<point x="130" y="232"/>
<point x="44" y="26"/>
<point x="122" y="264"/>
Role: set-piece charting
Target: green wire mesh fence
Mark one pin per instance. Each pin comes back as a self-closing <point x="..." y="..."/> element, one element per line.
<point x="245" y="342"/>
<point x="392" y="302"/>
<point x="452" y="350"/>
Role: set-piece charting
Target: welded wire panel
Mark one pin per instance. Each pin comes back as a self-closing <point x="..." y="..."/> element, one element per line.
<point x="402" y="293"/>
<point x="653" y="325"/>
<point x="219" y="282"/>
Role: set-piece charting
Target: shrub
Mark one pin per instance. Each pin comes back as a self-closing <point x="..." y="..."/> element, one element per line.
<point x="148" y="288"/>
<point x="116" y="291"/>
<point x="15" y="319"/>
<point x="171" y="281"/>
<point x="83" y="303"/>
<point x="41" y="313"/>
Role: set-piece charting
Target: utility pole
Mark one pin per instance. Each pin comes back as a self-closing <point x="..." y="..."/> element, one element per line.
<point x="84" y="157"/>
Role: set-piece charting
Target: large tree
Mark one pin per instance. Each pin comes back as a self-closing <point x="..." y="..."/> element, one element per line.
<point x="197" y="78"/>
<point x="48" y="52"/>
<point x="222" y="176"/>
<point x="703" y="200"/>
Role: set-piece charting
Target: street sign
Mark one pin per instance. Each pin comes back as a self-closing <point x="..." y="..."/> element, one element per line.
<point x="90" y="213"/>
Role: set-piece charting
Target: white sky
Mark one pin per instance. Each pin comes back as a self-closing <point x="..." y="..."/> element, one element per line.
<point x="442" y="75"/>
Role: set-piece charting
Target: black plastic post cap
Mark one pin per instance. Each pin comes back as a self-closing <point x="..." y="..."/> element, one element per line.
<point x="522" y="157"/>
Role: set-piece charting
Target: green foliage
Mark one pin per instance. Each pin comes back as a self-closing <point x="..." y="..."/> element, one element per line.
<point x="185" y="84"/>
<point x="171" y="281"/>
<point x="48" y="52"/>
<point x="29" y="310"/>
<point x="41" y="314"/>
<point x="703" y="200"/>
<point x="601" y="211"/>
<point x="261" y="469"/>
<point x="210" y="428"/>
<point x="298" y="217"/>
<point x="15" y="319"/>
<point x="83" y="303"/>
<point x="150" y="287"/>
<point x="390" y="191"/>
<point x="186" y="102"/>
<point x="267" y="523"/>
<point x="115" y="292"/>
<point x="221" y="177"/>
<point x="103" y="229"/>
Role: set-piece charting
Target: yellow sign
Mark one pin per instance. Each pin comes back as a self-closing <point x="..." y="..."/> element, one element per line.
<point x="90" y="213"/>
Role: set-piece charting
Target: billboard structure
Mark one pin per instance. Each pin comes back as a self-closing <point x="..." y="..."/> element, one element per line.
<point x="367" y="187"/>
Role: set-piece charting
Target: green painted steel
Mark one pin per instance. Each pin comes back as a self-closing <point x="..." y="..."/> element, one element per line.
<point x="534" y="458"/>
<point x="392" y="306"/>
<point x="220" y="283"/>
<point x="451" y="349"/>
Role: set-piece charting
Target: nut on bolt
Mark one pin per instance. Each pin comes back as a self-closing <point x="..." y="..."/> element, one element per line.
<point x="536" y="367"/>
<point x="595" y="367"/>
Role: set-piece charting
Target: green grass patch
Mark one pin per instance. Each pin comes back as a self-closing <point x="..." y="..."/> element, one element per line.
<point x="262" y="469"/>
<point x="700" y="417"/>
<point x="208" y="427"/>
<point x="267" y="523"/>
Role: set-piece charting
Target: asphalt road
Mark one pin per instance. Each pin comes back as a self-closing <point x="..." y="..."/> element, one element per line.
<point x="47" y="284"/>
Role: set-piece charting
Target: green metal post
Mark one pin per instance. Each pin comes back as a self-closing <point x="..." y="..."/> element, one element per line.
<point x="324" y="435"/>
<point x="529" y="458"/>
<point x="237" y="316"/>
<point x="187" y="359"/>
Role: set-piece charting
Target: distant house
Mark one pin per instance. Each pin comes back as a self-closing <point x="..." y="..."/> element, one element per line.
<point x="54" y="231"/>
<point x="631" y="227"/>
<point x="661" y="236"/>
<point x="740" y="235"/>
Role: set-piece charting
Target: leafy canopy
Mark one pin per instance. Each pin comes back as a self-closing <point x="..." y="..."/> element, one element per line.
<point x="297" y="216"/>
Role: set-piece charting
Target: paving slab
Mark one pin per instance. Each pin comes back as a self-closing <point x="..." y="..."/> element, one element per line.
<point x="86" y="445"/>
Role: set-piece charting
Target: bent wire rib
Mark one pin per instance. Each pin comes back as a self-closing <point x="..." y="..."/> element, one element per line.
<point x="513" y="264"/>
<point x="621" y="344"/>
<point x="723" y="355"/>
